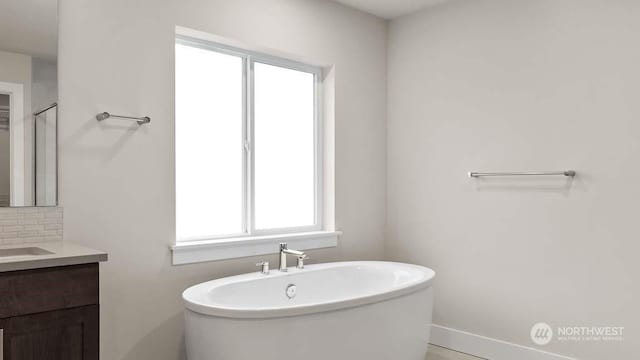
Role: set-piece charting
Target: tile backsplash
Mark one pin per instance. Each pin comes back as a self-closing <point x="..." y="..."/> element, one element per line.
<point x="30" y="224"/>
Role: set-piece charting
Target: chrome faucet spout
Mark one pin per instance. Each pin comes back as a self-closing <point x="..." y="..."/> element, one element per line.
<point x="284" y="251"/>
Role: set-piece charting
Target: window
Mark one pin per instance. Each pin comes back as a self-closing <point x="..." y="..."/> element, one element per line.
<point x="248" y="143"/>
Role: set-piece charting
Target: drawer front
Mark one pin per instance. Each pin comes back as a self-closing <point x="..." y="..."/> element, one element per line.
<point x="71" y="334"/>
<point x="38" y="290"/>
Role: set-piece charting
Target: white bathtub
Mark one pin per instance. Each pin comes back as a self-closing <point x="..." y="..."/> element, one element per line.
<point x="344" y="310"/>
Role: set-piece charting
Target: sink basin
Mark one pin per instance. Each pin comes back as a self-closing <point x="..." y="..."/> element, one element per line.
<point x="25" y="251"/>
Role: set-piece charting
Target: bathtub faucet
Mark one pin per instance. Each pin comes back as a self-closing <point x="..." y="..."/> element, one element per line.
<point x="284" y="251"/>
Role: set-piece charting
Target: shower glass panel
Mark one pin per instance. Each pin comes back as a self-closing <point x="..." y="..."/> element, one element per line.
<point x="46" y="157"/>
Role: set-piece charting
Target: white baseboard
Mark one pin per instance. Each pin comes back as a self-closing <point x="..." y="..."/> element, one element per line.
<point x="487" y="348"/>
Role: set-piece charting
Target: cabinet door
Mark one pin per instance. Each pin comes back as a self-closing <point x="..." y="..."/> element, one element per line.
<point x="71" y="334"/>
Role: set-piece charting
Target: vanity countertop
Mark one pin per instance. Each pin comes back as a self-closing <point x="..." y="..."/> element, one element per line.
<point x="30" y="255"/>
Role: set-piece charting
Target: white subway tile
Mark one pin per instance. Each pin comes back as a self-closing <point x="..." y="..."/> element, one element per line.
<point x="27" y="225"/>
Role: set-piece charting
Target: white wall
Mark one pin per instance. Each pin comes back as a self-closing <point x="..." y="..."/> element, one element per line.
<point x="44" y="90"/>
<point x="520" y="85"/>
<point x="116" y="182"/>
<point x="16" y="68"/>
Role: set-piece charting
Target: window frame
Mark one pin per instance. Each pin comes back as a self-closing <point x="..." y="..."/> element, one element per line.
<point x="249" y="58"/>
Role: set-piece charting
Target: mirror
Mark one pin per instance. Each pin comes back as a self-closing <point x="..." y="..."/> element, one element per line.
<point x="28" y="102"/>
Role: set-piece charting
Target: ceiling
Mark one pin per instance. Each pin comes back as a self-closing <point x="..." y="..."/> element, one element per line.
<point x="29" y="27"/>
<point x="389" y="9"/>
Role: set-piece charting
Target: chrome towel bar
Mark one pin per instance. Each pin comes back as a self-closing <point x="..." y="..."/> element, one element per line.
<point x="567" y="173"/>
<point x="140" y="120"/>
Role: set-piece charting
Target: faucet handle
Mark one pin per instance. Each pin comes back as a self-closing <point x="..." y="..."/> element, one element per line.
<point x="301" y="260"/>
<point x="264" y="267"/>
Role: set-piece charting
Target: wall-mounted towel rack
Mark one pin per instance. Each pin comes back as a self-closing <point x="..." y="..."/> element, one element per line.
<point x="567" y="173"/>
<point x="140" y="120"/>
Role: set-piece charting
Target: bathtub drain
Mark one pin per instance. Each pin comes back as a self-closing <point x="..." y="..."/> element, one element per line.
<point x="291" y="291"/>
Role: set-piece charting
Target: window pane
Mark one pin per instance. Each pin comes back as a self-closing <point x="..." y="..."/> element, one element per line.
<point x="284" y="147"/>
<point x="209" y="153"/>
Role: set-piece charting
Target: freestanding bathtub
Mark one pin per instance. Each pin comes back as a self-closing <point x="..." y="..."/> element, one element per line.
<point x="335" y="311"/>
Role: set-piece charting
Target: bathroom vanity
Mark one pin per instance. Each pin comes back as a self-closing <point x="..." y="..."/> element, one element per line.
<point x="49" y="302"/>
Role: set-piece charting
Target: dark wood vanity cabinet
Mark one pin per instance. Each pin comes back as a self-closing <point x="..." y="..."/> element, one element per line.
<point x="53" y="335"/>
<point x="50" y="313"/>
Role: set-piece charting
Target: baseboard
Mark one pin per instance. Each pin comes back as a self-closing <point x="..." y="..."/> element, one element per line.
<point x="487" y="348"/>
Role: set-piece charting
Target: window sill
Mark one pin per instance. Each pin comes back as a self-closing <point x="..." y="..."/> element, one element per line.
<point x="189" y="252"/>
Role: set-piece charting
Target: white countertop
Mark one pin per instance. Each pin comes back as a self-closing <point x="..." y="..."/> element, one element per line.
<point x="63" y="254"/>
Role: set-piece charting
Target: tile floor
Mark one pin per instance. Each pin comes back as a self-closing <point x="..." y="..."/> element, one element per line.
<point x="440" y="353"/>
